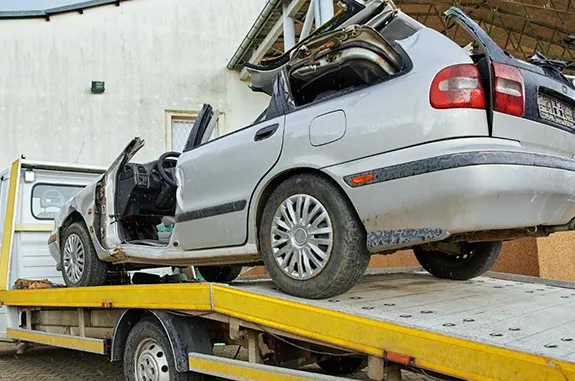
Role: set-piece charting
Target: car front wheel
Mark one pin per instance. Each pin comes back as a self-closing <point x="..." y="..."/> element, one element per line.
<point x="474" y="259"/>
<point x="312" y="242"/>
<point x="80" y="264"/>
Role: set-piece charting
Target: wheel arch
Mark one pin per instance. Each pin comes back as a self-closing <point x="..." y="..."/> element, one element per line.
<point x="73" y="216"/>
<point x="185" y="334"/>
<point x="272" y="184"/>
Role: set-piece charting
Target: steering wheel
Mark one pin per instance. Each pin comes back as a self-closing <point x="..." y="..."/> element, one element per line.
<point x="161" y="165"/>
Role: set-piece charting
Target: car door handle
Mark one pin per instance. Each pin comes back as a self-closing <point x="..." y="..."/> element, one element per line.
<point x="266" y="132"/>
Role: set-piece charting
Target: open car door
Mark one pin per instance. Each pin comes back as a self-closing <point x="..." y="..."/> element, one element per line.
<point x="203" y="127"/>
<point x="109" y="234"/>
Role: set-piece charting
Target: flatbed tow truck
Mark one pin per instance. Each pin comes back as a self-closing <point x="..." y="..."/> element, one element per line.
<point x="490" y="328"/>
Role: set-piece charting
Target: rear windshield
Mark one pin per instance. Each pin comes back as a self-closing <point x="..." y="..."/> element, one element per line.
<point x="47" y="199"/>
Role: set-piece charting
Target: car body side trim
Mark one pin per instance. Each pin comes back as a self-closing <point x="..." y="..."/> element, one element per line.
<point x="211" y="211"/>
<point x="458" y="160"/>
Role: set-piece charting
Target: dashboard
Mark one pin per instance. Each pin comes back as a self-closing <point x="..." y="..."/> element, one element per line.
<point x="142" y="193"/>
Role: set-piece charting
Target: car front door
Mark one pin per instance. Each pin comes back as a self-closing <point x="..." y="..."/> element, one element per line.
<point x="109" y="227"/>
<point x="216" y="181"/>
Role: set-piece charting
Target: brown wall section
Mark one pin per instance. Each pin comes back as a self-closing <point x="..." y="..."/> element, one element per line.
<point x="557" y="256"/>
<point x="517" y="257"/>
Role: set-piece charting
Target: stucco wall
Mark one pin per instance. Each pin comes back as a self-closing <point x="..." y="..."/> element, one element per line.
<point x="153" y="55"/>
<point x="557" y="256"/>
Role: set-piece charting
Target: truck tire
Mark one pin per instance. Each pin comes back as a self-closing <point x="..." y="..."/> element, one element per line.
<point x="342" y="365"/>
<point x="477" y="260"/>
<point x="148" y="355"/>
<point x="220" y="274"/>
<point x="312" y="242"/>
<point x="80" y="264"/>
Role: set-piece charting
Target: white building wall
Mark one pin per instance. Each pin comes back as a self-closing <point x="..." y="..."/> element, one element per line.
<point x="154" y="55"/>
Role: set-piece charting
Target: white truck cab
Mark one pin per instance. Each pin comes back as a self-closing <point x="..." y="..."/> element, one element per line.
<point x="43" y="187"/>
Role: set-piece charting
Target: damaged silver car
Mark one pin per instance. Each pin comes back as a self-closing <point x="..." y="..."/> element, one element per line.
<point x="381" y="134"/>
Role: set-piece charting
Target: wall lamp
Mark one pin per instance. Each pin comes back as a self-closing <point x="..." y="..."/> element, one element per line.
<point x="98" y="87"/>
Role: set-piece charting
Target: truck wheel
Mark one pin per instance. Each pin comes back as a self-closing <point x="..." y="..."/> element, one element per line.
<point x="220" y="274"/>
<point x="312" y="242"/>
<point x="476" y="260"/>
<point x="148" y="355"/>
<point x="80" y="264"/>
<point x="342" y="365"/>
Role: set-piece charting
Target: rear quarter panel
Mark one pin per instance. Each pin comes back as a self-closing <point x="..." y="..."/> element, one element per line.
<point x="388" y="116"/>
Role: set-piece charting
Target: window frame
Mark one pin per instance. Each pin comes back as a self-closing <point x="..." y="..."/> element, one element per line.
<point x="191" y="115"/>
<point x="80" y="187"/>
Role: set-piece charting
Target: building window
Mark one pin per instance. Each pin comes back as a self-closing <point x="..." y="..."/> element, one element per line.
<point x="178" y="127"/>
<point x="180" y="131"/>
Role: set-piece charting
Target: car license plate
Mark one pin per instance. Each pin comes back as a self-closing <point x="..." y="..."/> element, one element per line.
<point x="556" y="111"/>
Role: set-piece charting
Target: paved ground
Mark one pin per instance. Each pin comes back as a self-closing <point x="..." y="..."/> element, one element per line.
<point x="53" y="364"/>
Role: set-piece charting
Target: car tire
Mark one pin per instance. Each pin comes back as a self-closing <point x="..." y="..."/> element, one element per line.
<point x="77" y="247"/>
<point x="148" y="350"/>
<point x="220" y="274"/>
<point x="342" y="240"/>
<point x="479" y="258"/>
<point x="342" y="365"/>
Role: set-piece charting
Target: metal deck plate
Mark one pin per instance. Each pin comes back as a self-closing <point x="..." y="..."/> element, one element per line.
<point x="533" y="318"/>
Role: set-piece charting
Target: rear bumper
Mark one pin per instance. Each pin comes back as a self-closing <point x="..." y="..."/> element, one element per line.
<point x="432" y="198"/>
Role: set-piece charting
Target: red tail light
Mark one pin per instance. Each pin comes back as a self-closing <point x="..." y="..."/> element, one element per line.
<point x="509" y="90"/>
<point x="457" y="86"/>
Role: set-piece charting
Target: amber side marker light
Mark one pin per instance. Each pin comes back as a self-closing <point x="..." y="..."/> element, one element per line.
<point x="399" y="358"/>
<point x="360" y="179"/>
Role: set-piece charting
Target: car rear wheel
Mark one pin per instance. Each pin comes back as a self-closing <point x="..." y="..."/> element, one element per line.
<point x="220" y="274"/>
<point x="312" y="242"/>
<point x="80" y="264"/>
<point x="474" y="260"/>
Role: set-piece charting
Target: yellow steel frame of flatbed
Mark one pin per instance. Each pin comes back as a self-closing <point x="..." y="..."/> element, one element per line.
<point x="64" y="341"/>
<point x="436" y="352"/>
<point x="241" y="370"/>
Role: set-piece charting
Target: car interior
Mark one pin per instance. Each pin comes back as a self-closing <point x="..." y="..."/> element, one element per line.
<point x="145" y="196"/>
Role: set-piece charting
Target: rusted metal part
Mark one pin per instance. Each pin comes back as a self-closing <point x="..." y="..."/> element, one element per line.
<point x="118" y="254"/>
<point x="388" y="239"/>
<point x="508" y="234"/>
<point x="500" y="235"/>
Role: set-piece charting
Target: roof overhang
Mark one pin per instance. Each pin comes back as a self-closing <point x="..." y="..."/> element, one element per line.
<point x="521" y="27"/>
<point x="47" y="13"/>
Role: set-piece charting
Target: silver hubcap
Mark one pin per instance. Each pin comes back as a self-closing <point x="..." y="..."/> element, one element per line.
<point x="74" y="257"/>
<point x="302" y="236"/>
<point x="151" y="362"/>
